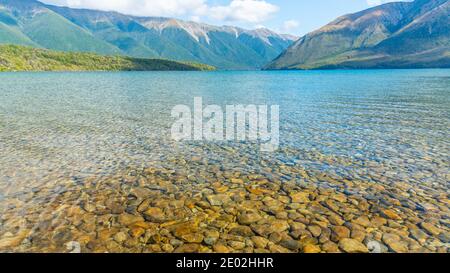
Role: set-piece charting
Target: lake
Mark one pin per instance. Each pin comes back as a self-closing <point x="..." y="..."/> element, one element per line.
<point x="88" y="162"/>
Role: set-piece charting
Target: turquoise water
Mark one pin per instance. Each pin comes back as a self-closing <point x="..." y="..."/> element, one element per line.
<point x="75" y="122"/>
<point x="381" y="126"/>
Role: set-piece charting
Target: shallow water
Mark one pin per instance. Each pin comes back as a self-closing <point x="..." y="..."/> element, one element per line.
<point x="68" y="139"/>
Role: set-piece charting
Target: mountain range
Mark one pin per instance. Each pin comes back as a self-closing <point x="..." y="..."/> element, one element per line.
<point x="394" y="35"/>
<point x="32" y="23"/>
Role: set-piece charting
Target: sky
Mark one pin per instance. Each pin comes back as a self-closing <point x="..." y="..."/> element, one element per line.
<point x="296" y="17"/>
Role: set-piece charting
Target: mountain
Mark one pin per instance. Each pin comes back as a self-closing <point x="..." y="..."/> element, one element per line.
<point x="394" y="35"/>
<point x="32" y="23"/>
<point x="20" y="58"/>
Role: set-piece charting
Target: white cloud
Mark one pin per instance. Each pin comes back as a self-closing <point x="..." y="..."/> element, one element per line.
<point x="290" y="25"/>
<point x="373" y="3"/>
<point x="247" y="11"/>
<point x="195" y="18"/>
<point x="139" y="7"/>
<point x="252" y="11"/>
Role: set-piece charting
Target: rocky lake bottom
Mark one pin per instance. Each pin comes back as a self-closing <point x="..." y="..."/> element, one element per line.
<point x="85" y="171"/>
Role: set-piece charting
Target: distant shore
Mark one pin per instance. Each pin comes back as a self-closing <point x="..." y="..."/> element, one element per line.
<point x="20" y="58"/>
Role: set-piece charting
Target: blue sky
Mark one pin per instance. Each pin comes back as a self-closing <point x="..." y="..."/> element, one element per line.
<point x="288" y="16"/>
<point x="312" y="14"/>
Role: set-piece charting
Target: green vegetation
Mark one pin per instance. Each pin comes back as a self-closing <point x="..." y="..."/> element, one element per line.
<point x="12" y="35"/>
<point x="54" y="32"/>
<point x="20" y="58"/>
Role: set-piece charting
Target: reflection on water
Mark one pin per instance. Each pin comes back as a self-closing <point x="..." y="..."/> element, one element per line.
<point x="87" y="157"/>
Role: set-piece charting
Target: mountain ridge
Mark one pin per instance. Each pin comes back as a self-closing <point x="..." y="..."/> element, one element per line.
<point x="112" y="33"/>
<point x="394" y="35"/>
